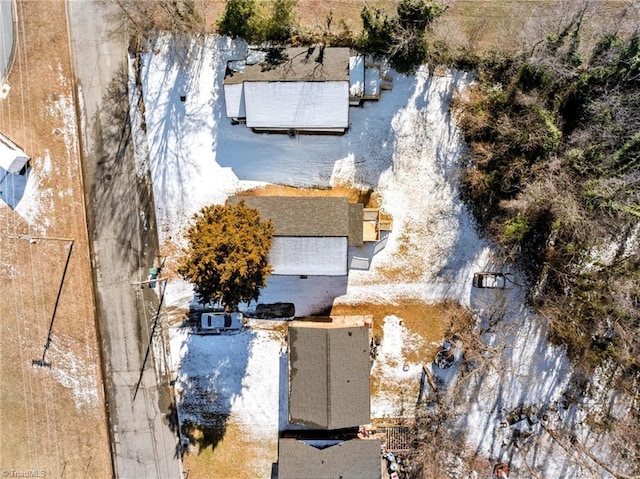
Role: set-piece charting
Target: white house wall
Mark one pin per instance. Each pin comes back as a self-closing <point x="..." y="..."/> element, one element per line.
<point x="305" y="255"/>
<point x="234" y="100"/>
<point x="297" y="105"/>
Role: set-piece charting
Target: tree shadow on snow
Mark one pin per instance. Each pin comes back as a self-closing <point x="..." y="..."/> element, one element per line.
<point x="444" y="144"/>
<point x="209" y="380"/>
<point x="520" y="372"/>
<point x="362" y="154"/>
<point x="182" y="118"/>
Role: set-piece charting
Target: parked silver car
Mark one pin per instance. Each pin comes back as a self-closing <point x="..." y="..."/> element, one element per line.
<point x="216" y="322"/>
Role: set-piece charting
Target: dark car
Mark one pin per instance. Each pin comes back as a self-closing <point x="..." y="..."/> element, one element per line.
<point x="285" y="311"/>
<point x="490" y="280"/>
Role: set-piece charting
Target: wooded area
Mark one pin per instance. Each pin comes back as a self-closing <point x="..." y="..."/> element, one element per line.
<point x="553" y="177"/>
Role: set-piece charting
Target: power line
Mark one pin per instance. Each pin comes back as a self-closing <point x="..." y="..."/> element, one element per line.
<point x="42" y="362"/>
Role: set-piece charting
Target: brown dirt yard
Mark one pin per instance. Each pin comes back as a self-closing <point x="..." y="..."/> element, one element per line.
<point x="482" y="24"/>
<point x="53" y="421"/>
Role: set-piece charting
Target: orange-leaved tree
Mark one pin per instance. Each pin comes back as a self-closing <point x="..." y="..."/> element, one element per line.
<point x="227" y="254"/>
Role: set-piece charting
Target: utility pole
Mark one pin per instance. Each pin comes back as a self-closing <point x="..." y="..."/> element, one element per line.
<point x="42" y="361"/>
<point x="153" y="328"/>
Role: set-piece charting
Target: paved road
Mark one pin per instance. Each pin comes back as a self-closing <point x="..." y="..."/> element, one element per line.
<point x="6" y="37"/>
<point x="124" y="245"/>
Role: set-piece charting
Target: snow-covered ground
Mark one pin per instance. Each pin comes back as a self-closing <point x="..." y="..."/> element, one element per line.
<point x="241" y="374"/>
<point x="408" y="149"/>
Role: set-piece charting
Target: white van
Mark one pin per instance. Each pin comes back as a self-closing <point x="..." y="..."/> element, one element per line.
<point x="215" y="323"/>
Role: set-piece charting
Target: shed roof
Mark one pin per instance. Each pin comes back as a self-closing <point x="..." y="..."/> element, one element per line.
<point x="296" y="64"/>
<point x="354" y="459"/>
<point x="356" y="75"/>
<point x="309" y="216"/>
<point x="329" y="376"/>
<point x="12" y="158"/>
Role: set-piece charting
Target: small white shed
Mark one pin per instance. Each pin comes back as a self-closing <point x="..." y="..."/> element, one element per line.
<point x="12" y="158"/>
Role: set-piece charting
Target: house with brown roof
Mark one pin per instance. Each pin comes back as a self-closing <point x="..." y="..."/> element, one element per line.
<point x="329" y="375"/>
<point x="312" y="234"/>
<point x="352" y="459"/>
<point x="302" y="89"/>
<point x="298" y="89"/>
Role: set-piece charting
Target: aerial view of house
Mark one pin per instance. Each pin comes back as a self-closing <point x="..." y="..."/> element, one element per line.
<point x="292" y="239"/>
<point x="355" y="458"/>
<point x="329" y="376"/>
<point x="302" y="89"/>
<point x="312" y="234"/>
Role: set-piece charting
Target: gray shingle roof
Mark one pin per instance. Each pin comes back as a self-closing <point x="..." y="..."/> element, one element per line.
<point x="309" y="216"/>
<point x="329" y="376"/>
<point x="298" y="64"/>
<point x="354" y="459"/>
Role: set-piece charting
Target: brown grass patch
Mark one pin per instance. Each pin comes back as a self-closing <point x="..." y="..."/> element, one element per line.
<point x="404" y="392"/>
<point x="353" y="195"/>
<point x="310" y="14"/>
<point x="170" y="254"/>
<point x="399" y="268"/>
<point x="44" y="427"/>
<point x="279" y="331"/>
<point x="484" y="24"/>
<point x="429" y="321"/>
<point x="238" y="454"/>
<point x="513" y="24"/>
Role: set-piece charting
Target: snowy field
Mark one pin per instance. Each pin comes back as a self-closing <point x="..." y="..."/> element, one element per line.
<point x="407" y="148"/>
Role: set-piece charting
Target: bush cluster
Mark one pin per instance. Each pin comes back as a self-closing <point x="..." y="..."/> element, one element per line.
<point x="399" y="37"/>
<point x="249" y="20"/>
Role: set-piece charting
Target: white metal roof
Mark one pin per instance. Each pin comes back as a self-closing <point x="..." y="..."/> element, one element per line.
<point x="12" y="158"/>
<point x="297" y="105"/>
<point x="356" y="75"/>
<point x="234" y="100"/>
<point x="306" y="255"/>
<point x="372" y="81"/>
<point x="7" y="37"/>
